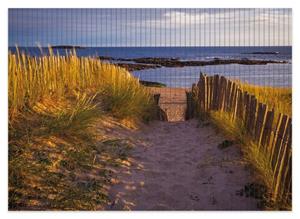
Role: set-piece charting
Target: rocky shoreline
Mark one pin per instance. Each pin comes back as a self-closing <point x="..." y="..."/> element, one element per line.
<point x="136" y="64"/>
<point x="152" y="84"/>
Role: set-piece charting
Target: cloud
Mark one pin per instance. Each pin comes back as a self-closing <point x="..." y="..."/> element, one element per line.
<point x="190" y="17"/>
<point x="150" y="27"/>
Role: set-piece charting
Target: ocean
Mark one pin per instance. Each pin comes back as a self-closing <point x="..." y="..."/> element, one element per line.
<point x="272" y="74"/>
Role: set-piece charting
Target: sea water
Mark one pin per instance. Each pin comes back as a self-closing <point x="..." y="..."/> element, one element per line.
<point x="279" y="75"/>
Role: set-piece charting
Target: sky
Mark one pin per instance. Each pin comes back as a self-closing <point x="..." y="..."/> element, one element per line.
<point x="150" y="27"/>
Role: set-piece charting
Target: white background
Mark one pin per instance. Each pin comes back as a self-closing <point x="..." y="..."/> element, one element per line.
<point x="5" y="4"/>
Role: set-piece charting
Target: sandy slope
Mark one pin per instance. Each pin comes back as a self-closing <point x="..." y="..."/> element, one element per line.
<point x="173" y="102"/>
<point x="178" y="166"/>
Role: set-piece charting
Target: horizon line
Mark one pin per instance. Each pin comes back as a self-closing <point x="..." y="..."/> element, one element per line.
<point x="83" y="47"/>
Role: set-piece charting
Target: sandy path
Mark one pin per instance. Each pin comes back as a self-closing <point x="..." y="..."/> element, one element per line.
<point x="173" y="102"/>
<point x="178" y="166"/>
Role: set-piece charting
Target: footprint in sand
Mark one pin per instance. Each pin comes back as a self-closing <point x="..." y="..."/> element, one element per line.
<point x="194" y="197"/>
<point x="180" y="173"/>
<point x="213" y="200"/>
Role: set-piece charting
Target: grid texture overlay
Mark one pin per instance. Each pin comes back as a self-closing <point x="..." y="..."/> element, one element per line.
<point x="184" y="34"/>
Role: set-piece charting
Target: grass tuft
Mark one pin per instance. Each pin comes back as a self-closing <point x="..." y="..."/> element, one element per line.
<point x="251" y="151"/>
<point x="56" y="160"/>
<point x="275" y="97"/>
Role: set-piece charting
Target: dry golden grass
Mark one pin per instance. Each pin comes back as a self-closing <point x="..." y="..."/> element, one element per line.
<point x="252" y="154"/>
<point x="31" y="79"/>
<point x="278" y="98"/>
<point x="56" y="155"/>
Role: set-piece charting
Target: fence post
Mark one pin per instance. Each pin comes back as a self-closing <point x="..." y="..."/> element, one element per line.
<point x="219" y="93"/>
<point x="261" y="116"/>
<point x="235" y="102"/>
<point x="211" y="92"/>
<point x="227" y="95"/>
<point x="216" y="91"/>
<point x="156" y="98"/>
<point x="202" y="92"/>
<point x="160" y="114"/>
<point x="252" y="114"/>
<point x="278" y="140"/>
<point x="282" y="161"/>
<point x="189" y="114"/>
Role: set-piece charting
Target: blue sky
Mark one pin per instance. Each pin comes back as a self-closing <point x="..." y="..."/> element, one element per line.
<point x="150" y="27"/>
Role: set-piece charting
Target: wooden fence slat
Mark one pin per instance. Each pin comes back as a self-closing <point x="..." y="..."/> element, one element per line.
<point x="229" y="96"/>
<point x="225" y="95"/>
<point x="237" y="108"/>
<point x="235" y="103"/>
<point x="232" y="96"/>
<point x="216" y="92"/>
<point x="248" y="112"/>
<point x="258" y="121"/>
<point x="156" y="98"/>
<point x="246" y="107"/>
<point x="202" y="94"/>
<point x="207" y="90"/>
<point x="240" y="104"/>
<point x="252" y="115"/>
<point x="228" y="93"/>
<point x="261" y="115"/>
<point x="211" y="92"/>
<point x="287" y="191"/>
<point x="160" y="114"/>
<point x="284" y="182"/>
<point x="190" y="106"/>
<point x="273" y="135"/>
<point x="278" y="140"/>
<point x="221" y="93"/>
<point x="278" y="147"/>
<point x="267" y="129"/>
<point x="282" y="160"/>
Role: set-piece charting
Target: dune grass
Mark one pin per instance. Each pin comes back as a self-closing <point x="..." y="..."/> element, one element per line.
<point x="252" y="154"/>
<point x="33" y="78"/>
<point x="280" y="99"/>
<point x="275" y="97"/>
<point x="57" y="159"/>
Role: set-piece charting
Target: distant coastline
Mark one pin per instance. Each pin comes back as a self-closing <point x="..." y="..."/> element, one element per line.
<point x="136" y="64"/>
<point x="67" y="47"/>
<point x="262" y="53"/>
<point x="143" y="58"/>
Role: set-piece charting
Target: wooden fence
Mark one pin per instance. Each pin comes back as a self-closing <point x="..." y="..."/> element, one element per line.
<point x="159" y="113"/>
<point x="274" y="138"/>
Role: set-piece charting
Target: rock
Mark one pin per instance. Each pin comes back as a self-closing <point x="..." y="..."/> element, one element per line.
<point x="225" y="144"/>
<point x="154" y="62"/>
<point x="136" y="67"/>
<point x="253" y="190"/>
<point x="152" y="84"/>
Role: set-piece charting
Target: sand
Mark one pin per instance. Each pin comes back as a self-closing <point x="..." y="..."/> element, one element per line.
<point x="178" y="166"/>
<point x="173" y="102"/>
